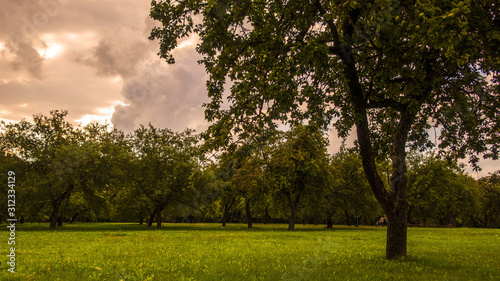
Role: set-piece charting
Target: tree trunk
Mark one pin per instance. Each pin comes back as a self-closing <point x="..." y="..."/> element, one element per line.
<point x="450" y="218"/>
<point x="232" y="216"/>
<point x="293" y="208"/>
<point x="224" y="218"/>
<point x="291" y="222"/>
<point x="357" y="218"/>
<point x="394" y="202"/>
<point x="73" y="218"/>
<point x="486" y="221"/>
<point x="329" y="222"/>
<point x="248" y="212"/>
<point x="55" y="213"/>
<point x="227" y="208"/>
<point x="267" y="217"/>
<point x="494" y="217"/>
<point x="151" y="218"/>
<point x="364" y="220"/>
<point x="347" y="218"/>
<point x="408" y="218"/>
<point x="396" y="235"/>
<point x="158" y="217"/>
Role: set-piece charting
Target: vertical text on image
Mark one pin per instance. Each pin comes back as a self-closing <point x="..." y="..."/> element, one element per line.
<point x="11" y="220"/>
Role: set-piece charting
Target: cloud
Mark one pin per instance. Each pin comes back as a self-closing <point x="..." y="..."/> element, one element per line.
<point x="41" y="42"/>
<point x="24" y="57"/>
<point x="169" y="96"/>
<point x="20" y="38"/>
<point x="117" y="54"/>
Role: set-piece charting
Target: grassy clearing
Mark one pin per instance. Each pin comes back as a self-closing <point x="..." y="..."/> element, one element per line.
<point x="267" y="252"/>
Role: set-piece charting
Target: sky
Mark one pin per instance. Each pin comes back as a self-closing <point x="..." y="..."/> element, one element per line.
<point x="93" y="58"/>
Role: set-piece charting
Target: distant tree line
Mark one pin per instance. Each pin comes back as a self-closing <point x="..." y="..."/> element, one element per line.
<point x="93" y="173"/>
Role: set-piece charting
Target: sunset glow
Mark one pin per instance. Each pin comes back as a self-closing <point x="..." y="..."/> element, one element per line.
<point x="51" y="51"/>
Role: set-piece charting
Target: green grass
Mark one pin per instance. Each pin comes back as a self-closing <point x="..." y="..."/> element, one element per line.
<point x="267" y="252"/>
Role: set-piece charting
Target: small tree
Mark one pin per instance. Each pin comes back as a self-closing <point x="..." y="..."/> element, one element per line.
<point x="437" y="190"/>
<point x="163" y="164"/>
<point x="298" y="167"/>
<point x="60" y="159"/>
<point x="489" y="200"/>
<point x="351" y="190"/>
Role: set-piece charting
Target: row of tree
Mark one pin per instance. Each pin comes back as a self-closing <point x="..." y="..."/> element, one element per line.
<point x="94" y="173"/>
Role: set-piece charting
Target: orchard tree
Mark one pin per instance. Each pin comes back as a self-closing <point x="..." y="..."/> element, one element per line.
<point x="47" y="146"/>
<point x="162" y="166"/>
<point x="488" y="212"/>
<point x="391" y="69"/>
<point x="351" y="189"/>
<point x="298" y="168"/>
<point x="60" y="159"/>
<point x="437" y="190"/>
<point x="247" y="178"/>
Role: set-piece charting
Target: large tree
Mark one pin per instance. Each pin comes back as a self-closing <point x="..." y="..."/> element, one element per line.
<point x="391" y="69"/>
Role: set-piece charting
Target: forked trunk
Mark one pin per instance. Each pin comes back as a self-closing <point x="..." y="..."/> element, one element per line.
<point x="227" y="211"/>
<point x="151" y="218"/>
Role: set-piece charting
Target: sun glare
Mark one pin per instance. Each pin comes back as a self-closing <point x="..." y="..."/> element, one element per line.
<point x="50" y="51"/>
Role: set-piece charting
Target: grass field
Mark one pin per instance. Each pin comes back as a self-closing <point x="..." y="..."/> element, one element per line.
<point x="267" y="252"/>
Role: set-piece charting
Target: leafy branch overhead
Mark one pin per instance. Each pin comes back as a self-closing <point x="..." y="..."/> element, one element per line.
<point x="295" y="60"/>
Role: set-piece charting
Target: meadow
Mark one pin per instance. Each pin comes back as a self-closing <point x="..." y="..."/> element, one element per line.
<point x="124" y="251"/>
